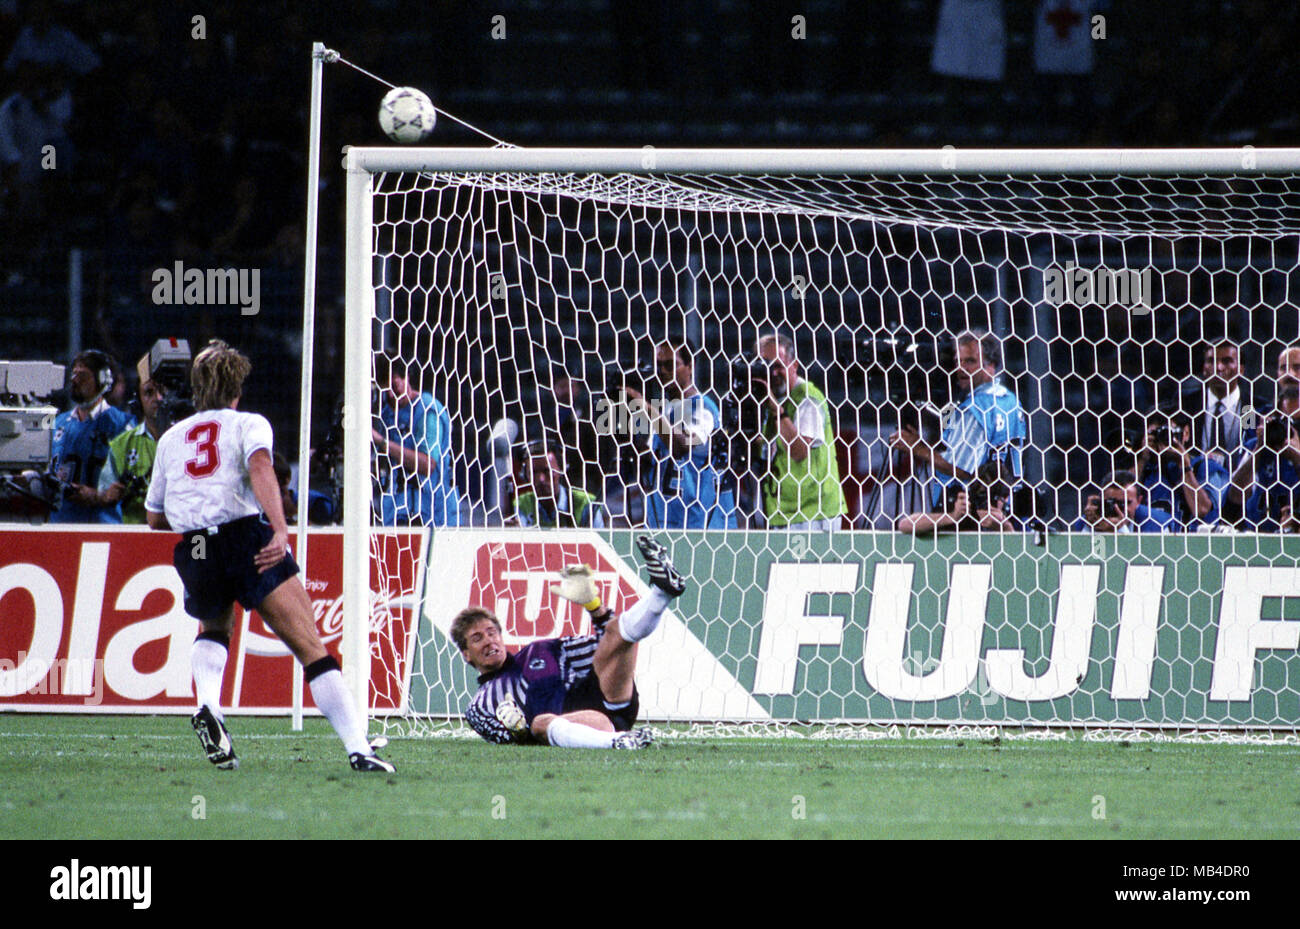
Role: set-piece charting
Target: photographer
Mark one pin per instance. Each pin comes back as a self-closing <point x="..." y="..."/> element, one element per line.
<point x="686" y="491"/>
<point x="1264" y="484"/>
<point x="548" y="500"/>
<point x="986" y="424"/>
<point x="1120" y="507"/>
<point x="1187" y="485"/>
<point x="565" y="410"/>
<point x="801" y="491"/>
<point x="985" y="506"/>
<point x="79" y="446"/>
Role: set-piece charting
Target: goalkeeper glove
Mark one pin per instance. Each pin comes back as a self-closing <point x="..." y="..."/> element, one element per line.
<point x="576" y="585"/>
<point x="510" y="716"/>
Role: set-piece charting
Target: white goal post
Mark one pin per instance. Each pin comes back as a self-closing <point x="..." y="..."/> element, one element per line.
<point x="602" y="252"/>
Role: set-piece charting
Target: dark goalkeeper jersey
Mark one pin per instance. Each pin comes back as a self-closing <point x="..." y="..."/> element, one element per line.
<point x="538" y="677"/>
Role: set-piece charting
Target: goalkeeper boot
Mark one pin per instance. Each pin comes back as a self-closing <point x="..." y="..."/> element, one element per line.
<point x="372" y="762"/>
<point x="215" y="739"/>
<point x="634" y="738"/>
<point x="662" y="573"/>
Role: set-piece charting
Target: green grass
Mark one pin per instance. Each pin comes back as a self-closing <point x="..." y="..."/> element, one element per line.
<point x="141" y="777"/>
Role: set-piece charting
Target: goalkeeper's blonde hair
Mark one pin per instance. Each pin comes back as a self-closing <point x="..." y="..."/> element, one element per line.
<point x="218" y="376"/>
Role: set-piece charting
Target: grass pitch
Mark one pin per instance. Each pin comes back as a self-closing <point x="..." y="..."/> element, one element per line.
<point x="66" y="777"/>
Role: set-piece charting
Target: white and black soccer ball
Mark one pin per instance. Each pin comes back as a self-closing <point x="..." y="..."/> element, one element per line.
<point x="407" y="115"/>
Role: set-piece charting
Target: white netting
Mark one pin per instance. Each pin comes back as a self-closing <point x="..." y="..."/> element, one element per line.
<point x="501" y="296"/>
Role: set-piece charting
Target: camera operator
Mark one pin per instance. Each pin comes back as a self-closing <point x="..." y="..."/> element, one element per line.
<point x="1120" y="507"/>
<point x="686" y="491"/>
<point x="1264" y="484"/>
<point x="163" y="399"/>
<point x="79" y="446"/>
<point x="801" y="491"/>
<point x="986" y="423"/>
<point x="1187" y="485"/>
<point x="984" y="506"/>
<point x="124" y="481"/>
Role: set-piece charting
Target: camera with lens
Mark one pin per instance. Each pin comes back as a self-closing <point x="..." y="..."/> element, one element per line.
<point x="1278" y="428"/>
<point x="740" y="455"/>
<point x="325" y="502"/>
<point x="748" y="369"/>
<point x="1136" y="436"/>
<point x="1161" y="435"/>
<point x="995" y="482"/>
<point x="907" y="369"/>
<point x="168" y="366"/>
<point x="629" y="426"/>
<point x="978" y="494"/>
<point x="136" y="486"/>
<point x="621" y="377"/>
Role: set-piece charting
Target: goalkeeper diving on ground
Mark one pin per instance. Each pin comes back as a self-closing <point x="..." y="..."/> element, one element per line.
<point x="572" y="692"/>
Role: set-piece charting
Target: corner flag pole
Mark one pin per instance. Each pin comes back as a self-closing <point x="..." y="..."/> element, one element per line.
<point x="319" y="55"/>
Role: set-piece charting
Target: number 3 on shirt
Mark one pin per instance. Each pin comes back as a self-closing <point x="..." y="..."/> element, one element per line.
<point x="207" y="458"/>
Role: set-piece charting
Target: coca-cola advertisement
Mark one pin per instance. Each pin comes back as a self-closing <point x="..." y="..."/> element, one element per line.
<point x="94" y="621"/>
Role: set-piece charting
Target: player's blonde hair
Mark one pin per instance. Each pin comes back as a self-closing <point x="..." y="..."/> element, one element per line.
<point x="218" y="376"/>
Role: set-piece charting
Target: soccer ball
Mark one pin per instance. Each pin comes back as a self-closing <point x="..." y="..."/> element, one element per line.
<point x="407" y="115"/>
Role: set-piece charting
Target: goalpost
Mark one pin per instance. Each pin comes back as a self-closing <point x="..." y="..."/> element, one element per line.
<point x="488" y="275"/>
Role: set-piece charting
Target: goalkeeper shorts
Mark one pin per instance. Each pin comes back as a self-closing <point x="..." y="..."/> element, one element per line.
<point x="585" y="694"/>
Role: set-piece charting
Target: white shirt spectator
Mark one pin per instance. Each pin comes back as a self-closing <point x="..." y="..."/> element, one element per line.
<point x="1228" y="411"/>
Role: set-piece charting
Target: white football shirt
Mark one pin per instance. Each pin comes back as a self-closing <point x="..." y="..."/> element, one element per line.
<point x="200" y="470"/>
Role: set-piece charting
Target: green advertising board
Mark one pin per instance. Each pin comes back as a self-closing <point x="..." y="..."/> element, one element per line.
<point x="1154" y="630"/>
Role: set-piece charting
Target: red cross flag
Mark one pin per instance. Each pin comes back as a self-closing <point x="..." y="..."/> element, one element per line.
<point x="1063" y="37"/>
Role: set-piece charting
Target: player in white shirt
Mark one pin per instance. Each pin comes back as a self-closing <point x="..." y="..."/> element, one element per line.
<point x="214" y="482"/>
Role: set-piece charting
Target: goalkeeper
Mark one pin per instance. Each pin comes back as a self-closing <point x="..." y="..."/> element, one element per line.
<point x="572" y="692"/>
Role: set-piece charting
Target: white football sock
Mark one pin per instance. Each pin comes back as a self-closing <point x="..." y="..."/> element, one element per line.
<point x="208" y="663"/>
<point x="565" y="733"/>
<point x="333" y="699"/>
<point x="643" y="618"/>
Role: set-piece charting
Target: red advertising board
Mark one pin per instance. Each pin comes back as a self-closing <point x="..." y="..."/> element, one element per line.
<point x="513" y="578"/>
<point x="93" y="620"/>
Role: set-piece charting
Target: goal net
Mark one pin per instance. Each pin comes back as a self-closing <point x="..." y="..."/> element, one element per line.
<point x="1043" y="400"/>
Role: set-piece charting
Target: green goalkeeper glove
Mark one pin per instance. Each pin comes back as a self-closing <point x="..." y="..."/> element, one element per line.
<point x="510" y="716"/>
<point x="576" y="585"/>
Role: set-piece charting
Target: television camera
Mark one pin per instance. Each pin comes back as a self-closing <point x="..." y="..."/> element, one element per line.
<point x="27" y="486"/>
